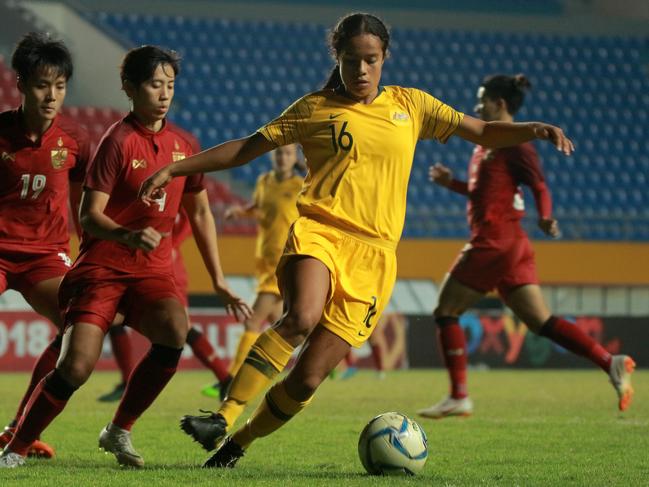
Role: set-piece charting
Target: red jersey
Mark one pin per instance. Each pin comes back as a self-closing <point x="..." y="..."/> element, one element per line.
<point x="34" y="182"/>
<point x="182" y="229"/>
<point x="495" y="197"/>
<point x="126" y="156"/>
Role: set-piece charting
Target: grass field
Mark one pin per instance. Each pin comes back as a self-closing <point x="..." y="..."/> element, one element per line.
<point x="530" y="428"/>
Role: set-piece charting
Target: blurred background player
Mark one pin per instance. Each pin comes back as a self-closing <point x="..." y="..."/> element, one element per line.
<point x="201" y="347"/>
<point x="499" y="255"/>
<point x="125" y="261"/>
<point x="376" y="351"/>
<point x="274" y="207"/>
<point x="339" y="265"/>
<point x="44" y="157"/>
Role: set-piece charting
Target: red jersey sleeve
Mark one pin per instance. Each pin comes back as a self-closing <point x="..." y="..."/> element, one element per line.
<point x="525" y="165"/>
<point x="78" y="172"/>
<point x="106" y="166"/>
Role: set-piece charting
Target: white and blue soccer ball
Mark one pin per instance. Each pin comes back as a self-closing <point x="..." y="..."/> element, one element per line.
<point x="393" y="444"/>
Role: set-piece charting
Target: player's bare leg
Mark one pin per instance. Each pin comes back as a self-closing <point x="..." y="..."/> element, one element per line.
<point x="164" y="323"/>
<point x="306" y="284"/>
<point x="454" y="299"/>
<point x="43" y="298"/>
<point x="528" y="304"/>
<point x="322" y="351"/>
<point x="81" y="348"/>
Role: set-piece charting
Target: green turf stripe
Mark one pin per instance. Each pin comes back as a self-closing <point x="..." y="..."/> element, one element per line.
<point x="261" y="364"/>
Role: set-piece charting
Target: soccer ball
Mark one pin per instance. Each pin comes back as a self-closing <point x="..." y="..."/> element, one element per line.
<point x="393" y="444"/>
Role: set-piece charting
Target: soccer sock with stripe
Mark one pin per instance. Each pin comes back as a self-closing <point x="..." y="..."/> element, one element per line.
<point x="452" y="345"/>
<point x="204" y="351"/>
<point x="247" y="340"/>
<point x="267" y="358"/>
<point x="273" y="412"/>
<point x="572" y="338"/>
<point x="43" y="366"/>
<point x="47" y="401"/>
<point x="146" y="382"/>
<point x="122" y="350"/>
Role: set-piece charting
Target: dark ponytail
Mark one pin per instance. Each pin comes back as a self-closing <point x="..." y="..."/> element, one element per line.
<point x="334" y="80"/>
<point x="512" y="89"/>
<point x="350" y="26"/>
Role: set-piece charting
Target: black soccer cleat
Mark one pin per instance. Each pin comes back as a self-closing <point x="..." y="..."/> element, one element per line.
<point x="225" y="457"/>
<point x="208" y="430"/>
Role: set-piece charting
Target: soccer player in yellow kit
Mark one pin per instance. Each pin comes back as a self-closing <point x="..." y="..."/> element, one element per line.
<point x="339" y="264"/>
<point x="274" y="205"/>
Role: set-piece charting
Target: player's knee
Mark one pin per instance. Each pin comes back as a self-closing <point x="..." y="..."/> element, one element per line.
<point x="76" y="371"/>
<point x="300" y="322"/>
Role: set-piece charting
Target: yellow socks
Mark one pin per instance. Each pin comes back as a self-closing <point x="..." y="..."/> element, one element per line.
<point x="246" y="341"/>
<point x="273" y="412"/>
<point x="267" y="358"/>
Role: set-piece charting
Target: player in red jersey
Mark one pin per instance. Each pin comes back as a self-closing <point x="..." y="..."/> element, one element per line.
<point x="196" y="339"/>
<point x="125" y="261"/>
<point x="43" y="158"/>
<point x="499" y="255"/>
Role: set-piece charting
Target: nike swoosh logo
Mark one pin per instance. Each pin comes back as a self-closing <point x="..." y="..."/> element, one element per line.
<point x="332" y="116"/>
<point x="361" y="334"/>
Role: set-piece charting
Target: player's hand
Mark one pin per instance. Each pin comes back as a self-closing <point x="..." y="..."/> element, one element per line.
<point x="145" y="239"/>
<point x="440" y="174"/>
<point x="234" y="305"/>
<point x="232" y="212"/>
<point x="550" y="227"/>
<point x="152" y="188"/>
<point x="555" y="135"/>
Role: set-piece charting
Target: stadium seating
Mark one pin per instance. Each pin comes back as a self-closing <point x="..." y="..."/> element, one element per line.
<point x="239" y="74"/>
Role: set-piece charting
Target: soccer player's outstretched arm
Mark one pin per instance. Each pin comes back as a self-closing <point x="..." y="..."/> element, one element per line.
<point x="507" y="134"/>
<point x="443" y="176"/>
<point x="204" y="230"/>
<point x="224" y="156"/>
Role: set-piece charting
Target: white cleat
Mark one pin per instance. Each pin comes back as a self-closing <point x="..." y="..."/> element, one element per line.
<point x="117" y="441"/>
<point x="9" y="459"/>
<point x="622" y="366"/>
<point x="448" y="407"/>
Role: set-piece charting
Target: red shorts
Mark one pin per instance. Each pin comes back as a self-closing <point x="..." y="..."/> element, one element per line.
<point x="93" y="294"/>
<point x="503" y="264"/>
<point x="22" y="270"/>
<point x="180" y="274"/>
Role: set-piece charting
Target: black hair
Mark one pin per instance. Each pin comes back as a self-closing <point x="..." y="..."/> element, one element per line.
<point x="510" y="88"/>
<point x="350" y="26"/>
<point x="140" y="63"/>
<point x="37" y="52"/>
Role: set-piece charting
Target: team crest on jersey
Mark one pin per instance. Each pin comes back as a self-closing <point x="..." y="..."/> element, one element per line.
<point x="489" y="155"/>
<point x="8" y="156"/>
<point x="399" y="118"/>
<point x="138" y="163"/>
<point x="59" y="155"/>
<point x="176" y="155"/>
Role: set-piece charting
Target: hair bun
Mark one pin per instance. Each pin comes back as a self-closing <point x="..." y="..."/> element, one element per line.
<point x="521" y="82"/>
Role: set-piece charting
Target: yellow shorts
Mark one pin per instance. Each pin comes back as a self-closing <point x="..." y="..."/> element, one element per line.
<point x="362" y="272"/>
<point x="265" y="269"/>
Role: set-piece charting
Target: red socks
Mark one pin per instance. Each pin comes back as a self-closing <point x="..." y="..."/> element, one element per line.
<point x="122" y="350"/>
<point x="145" y="383"/>
<point x="46" y="402"/>
<point x="453" y="348"/>
<point x="204" y="352"/>
<point x="377" y="356"/>
<point x="43" y="366"/>
<point x="572" y="338"/>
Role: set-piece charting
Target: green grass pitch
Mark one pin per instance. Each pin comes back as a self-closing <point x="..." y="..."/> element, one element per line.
<point x="530" y="428"/>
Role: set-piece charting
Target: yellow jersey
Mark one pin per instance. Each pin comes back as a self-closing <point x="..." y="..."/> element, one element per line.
<point x="276" y="205"/>
<point x="359" y="156"/>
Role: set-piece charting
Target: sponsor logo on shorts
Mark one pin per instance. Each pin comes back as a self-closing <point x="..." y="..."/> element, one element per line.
<point x="65" y="258"/>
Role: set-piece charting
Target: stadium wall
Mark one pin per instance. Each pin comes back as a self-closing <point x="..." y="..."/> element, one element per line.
<point x="584" y="263"/>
